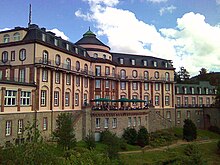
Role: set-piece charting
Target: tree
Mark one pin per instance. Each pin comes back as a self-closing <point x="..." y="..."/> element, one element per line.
<point x="64" y="132"/>
<point x="203" y="71"/>
<point x="192" y="155"/>
<point x="177" y="77"/>
<point x="90" y="141"/>
<point x="112" y="142"/>
<point x="130" y="135"/>
<point x="142" y="137"/>
<point x="183" y="74"/>
<point x="217" y="98"/>
<point x="189" y="130"/>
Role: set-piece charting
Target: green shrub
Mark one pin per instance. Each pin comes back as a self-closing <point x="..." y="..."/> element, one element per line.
<point x="142" y="137"/>
<point x="90" y="141"/>
<point x="189" y="130"/>
<point x="112" y="143"/>
<point x="192" y="155"/>
<point x="161" y="138"/>
<point x="218" y="145"/>
<point x="214" y="129"/>
<point x="130" y="136"/>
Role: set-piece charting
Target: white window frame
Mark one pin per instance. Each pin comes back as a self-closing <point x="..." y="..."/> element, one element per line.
<point x="22" y="75"/>
<point x="43" y="97"/>
<point x="25" y="99"/>
<point x="56" y="98"/>
<point x="135" y="122"/>
<point x="44" y="75"/>
<point x="167" y="87"/>
<point x="129" y="121"/>
<point x="45" y="123"/>
<point x="20" y="126"/>
<point x="157" y="100"/>
<point x="68" y="79"/>
<point x="98" y="84"/>
<point x="146" y="86"/>
<point x="76" y="99"/>
<point x="57" y="77"/>
<point x="97" y="122"/>
<point x="134" y="86"/>
<point x="22" y="54"/>
<point x="106" y="122"/>
<point x="10" y="98"/>
<point x="132" y="62"/>
<point x="67" y="99"/>
<point x="167" y="100"/>
<point x="8" y="128"/>
<point x="121" y="61"/>
<point x="114" y="123"/>
<point x="139" y="121"/>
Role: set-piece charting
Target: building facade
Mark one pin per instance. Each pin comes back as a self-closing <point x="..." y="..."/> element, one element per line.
<point x="42" y="75"/>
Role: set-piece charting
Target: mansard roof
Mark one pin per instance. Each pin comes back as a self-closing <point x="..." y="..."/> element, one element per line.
<point x="140" y="60"/>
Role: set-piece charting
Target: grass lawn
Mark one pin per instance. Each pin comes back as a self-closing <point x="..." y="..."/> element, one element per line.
<point x="209" y="151"/>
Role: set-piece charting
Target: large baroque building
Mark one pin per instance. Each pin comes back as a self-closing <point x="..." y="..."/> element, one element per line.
<point x="42" y="75"/>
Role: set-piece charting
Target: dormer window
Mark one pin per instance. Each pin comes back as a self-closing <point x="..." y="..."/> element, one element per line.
<point x="104" y="56"/>
<point x="145" y="62"/>
<point x="185" y="90"/>
<point x="132" y="62"/>
<point x="207" y="91"/>
<point x="43" y="37"/>
<point x="95" y="55"/>
<point x="55" y="42"/>
<point x="200" y="90"/>
<point x="155" y="63"/>
<point x="67" y="46"/>
<point x="84" y="53"/>
<point x="76" y="50"/>
<point x="17" y="36"/>
<point x="166" y="65"/>
<point x="6" y="38"/>
<point x="193" y="90"/>
<point x="121" y="61"/>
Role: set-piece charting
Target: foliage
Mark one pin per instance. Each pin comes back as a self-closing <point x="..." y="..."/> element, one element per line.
<point x="142" y="137"/>
<point x="130" y="135"/>
<point x="203" y="71"/>
<point x="90" y="141"/>
<point x="32" y="133"/>
<point x="192" y="155"/>
<point x="162" y="138"/>
<point x="214" y="129"/>
<point x="64" y="132"/>
<point x="189" y="130"/>
<point x="183" y="74"/>
<point x="218" y="145"/>
<point x="112" y="143"/>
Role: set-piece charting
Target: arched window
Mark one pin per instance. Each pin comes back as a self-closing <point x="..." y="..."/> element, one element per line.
<point x="45" y="57"/>
<point x="95" y="55"/>
<point x="86" y="68"/>
<point x="17" y="36"/>
<point x="68" y="63"/>
<point x="22" y="54"/>
<point x="167" y="76"/>
<point x="156" y="74"/>
<point x="4" y="56"/>
<point x="57" y="59"/>
<point x="134" y="73"/>
<point x="77" y="65"/>
<point x="6" y="38"/>
<point x="146" y="75"/>
<point x="123" y="74"/>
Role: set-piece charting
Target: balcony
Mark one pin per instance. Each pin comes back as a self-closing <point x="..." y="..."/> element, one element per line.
<point x="15" y="80"/>
<point x="63" y="66"/>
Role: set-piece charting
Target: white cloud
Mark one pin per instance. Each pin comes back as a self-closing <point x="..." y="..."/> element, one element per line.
<point x="168" y="9"/>
<point x="157" y="1"/>
<point x="217" y="2"/>
<point x="5" y="29"/>
<point x="59" y="33"/>
<point x="192" y="45"/>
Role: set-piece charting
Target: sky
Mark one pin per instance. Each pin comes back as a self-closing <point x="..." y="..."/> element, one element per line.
<point x="184" y="31"/>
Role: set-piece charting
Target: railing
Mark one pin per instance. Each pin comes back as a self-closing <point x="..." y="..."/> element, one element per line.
<point x="193" y="105"/>
<point x="98" y="74"/>
<point x="5" y="63"/>
<point x="15" y="80"/>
